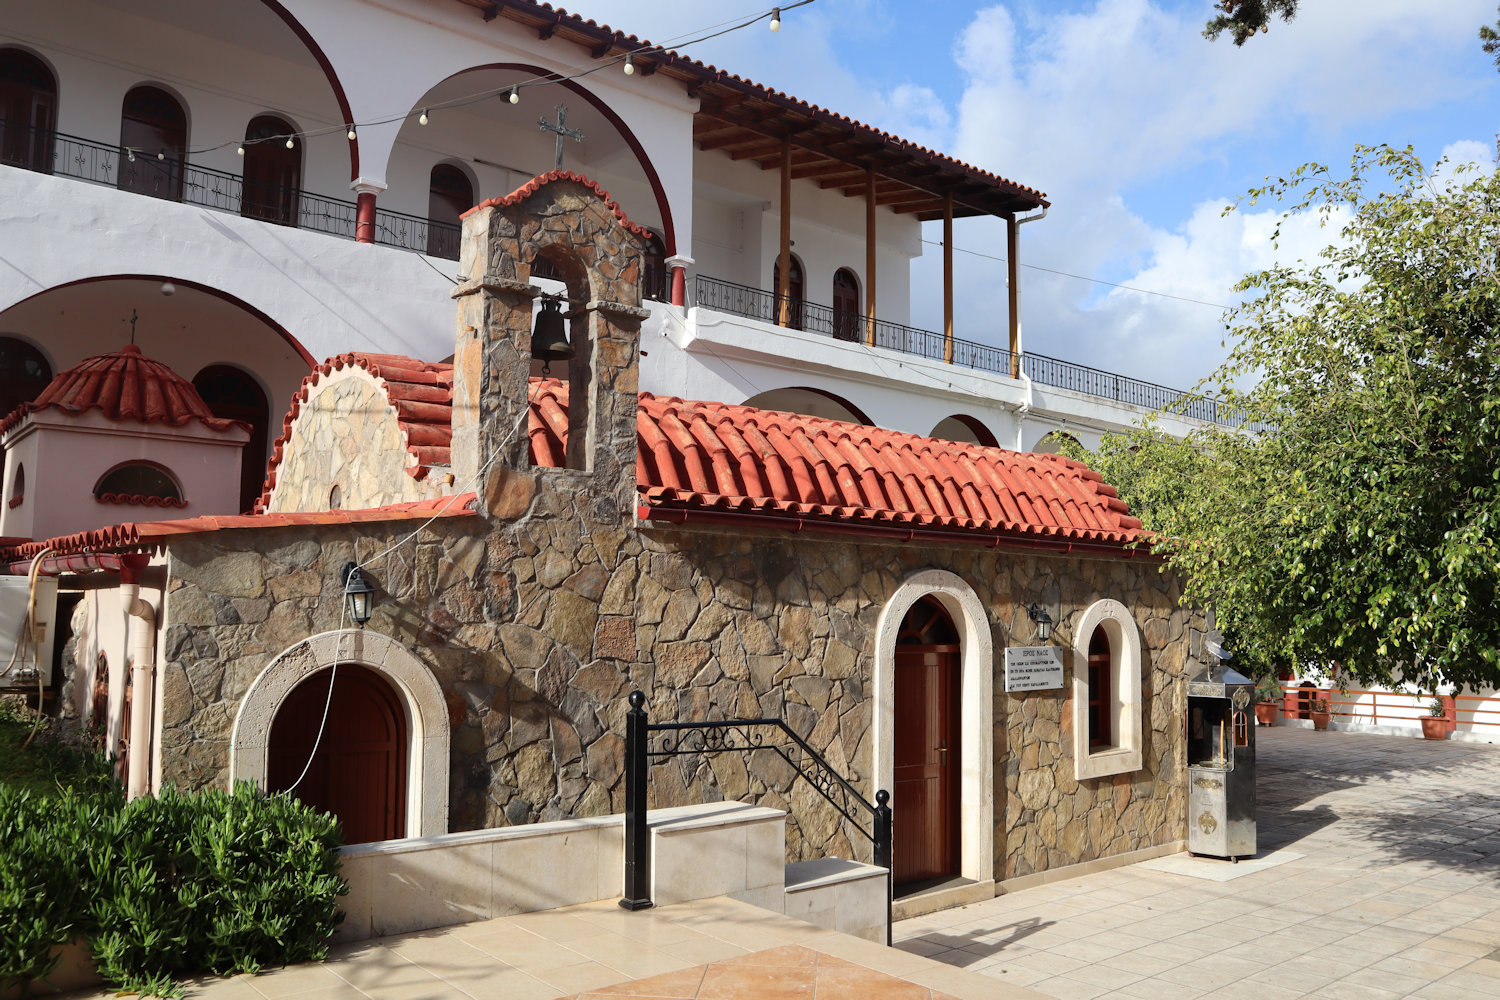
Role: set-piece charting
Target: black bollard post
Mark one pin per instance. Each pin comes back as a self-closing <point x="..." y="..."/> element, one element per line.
<point x="637" y="843"/>
<point x="883" y="852"/>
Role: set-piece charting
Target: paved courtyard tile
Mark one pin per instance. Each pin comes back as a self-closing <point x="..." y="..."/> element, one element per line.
<point x="1396" y="893"/>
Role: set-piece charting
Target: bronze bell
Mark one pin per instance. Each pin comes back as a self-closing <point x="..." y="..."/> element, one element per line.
<point x="549" y="339"/>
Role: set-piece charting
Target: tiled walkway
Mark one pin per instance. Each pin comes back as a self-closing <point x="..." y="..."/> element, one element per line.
<point x="713" y="949"/>
<point x="1397" y="893"/>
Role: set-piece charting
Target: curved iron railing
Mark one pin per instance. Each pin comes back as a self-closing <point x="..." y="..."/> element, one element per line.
<point x="677" y="739"/>
<point x="170" y="179"/>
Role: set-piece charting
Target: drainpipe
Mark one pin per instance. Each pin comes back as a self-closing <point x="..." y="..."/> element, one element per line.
<point x="1021" y="412"/>
<point x="1013" y="255"/>
<point x="141" y="641"/>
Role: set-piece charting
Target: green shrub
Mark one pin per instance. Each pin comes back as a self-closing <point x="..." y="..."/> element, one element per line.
<point x="185" y="883"/>
<point x="44" y="842"/>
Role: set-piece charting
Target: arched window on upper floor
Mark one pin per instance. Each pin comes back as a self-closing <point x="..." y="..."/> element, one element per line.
<point x="141" y="483"/>
<point x="28" y="111"/>
<point x="846" y="313"/>
<point x="153" y="143"/>
<point x="24" y="373"/>
<point x="654" y="285"/>
<point x="449" y="195"/>
<point x="794" y="293"/>
<point x="272" y="178"/>
<point x="234" y="395"/>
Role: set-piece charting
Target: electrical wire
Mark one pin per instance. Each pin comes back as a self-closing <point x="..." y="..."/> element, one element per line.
<point x="1084" y="277"/>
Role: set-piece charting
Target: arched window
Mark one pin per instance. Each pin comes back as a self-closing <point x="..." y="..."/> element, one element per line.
<point x="232" y="394"/>
<point x="139" y="483"/>
<point x="24" y="373"/>
<point x="449" y="196"/>
<point x="654" y="271"/>
<point x="1101" y="700"/>
<point x="1107" y="707"/>
<point x="794" y="292"/>
<point x="28" y="104"/>
<point x="272" y="174"/>
<point x="153" y="143"/>
<point x="846" y="315"/>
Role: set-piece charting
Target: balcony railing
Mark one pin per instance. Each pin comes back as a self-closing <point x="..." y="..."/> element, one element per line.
<point x="756" y="303"/>
<point x="176" y="180"/>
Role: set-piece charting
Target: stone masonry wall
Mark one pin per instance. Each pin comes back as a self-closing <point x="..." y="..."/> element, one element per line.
<point x="347" y="435"/>
<point x="538" y="632"/>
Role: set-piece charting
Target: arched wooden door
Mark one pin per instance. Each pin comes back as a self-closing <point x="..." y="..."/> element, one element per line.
<point x="845" y="305"/>
<point x="359" y="770"/>
<point x="153" y="143"/>
<point x="794" y="291"/>
<point x="234" y="395"/>
<point x="927" y="755"/>
<point x="28" y="102"/>
<point x="272" y="179"/>
<point x="449" y="196"/>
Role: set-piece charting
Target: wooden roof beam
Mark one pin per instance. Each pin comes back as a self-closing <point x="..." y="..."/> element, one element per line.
<point x="736" y="137"/>
<point x="760" y="149"/>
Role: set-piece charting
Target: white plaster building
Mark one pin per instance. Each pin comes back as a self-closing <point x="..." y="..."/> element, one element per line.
<point x="144" y="173"/>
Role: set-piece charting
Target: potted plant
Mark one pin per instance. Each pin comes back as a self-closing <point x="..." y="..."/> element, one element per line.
<point x="1435" y="722"/>
<point x="1267" y="697"/>
<point x="1321" y="712"/>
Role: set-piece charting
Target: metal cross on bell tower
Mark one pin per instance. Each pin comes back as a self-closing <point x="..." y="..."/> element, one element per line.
<point x="563" y="132"/>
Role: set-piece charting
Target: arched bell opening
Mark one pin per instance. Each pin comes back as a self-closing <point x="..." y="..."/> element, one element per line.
<point x="561" y="342"/>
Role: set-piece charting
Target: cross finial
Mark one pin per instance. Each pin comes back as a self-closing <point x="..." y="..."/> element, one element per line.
<point x="562" y="130"/>
<point x="133" y="318"/>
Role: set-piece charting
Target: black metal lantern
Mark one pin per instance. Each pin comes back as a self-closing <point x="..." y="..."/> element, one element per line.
<point x="549" y="338"/>
<point x="1042" y="620"/>
<point x="358" y="593"/>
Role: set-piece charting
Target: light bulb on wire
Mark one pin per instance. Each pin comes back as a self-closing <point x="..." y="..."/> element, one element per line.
<point x="775" y="18"/>
<point x="515" y="95"/>
<point x="351" y="133"/>
<point x="629" y="64"/>
<point x="422" y="118"/>
<point x="161" y="154"/>
<point x="240" y="149"/>
<point x="289" y="143"/>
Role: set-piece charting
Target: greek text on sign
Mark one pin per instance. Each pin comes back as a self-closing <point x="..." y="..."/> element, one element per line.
<point x="1033" y="668"/>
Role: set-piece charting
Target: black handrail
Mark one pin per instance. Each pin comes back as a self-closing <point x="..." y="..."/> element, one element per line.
<point x="755" y="303"/>
<point x="60" y="154"/>
<point x="734" y="735"/>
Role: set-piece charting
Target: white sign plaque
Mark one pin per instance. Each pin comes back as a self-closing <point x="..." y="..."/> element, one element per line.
<point x="1033" y="668"/>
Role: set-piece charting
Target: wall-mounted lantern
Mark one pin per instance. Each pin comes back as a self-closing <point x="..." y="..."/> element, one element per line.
<point x="1042" y="620"/>
<point x="359" y="593"/>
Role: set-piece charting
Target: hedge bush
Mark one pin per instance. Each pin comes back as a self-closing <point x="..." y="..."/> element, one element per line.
<point x="185" y="883"/>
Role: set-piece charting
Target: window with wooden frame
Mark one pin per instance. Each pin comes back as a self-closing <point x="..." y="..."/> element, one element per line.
<point x="1101" y="692"/>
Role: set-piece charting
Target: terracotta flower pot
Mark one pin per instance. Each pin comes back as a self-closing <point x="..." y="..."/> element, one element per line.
<point x="1320" y="720"/>
<point x="1434" y="727"/>
<point x="1265" y="713"/>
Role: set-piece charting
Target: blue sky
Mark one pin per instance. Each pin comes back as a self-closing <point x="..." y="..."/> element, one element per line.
<point x="1138" y="128"/>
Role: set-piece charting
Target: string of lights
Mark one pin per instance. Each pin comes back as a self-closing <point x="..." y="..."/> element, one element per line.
<point x="511" y="93"/>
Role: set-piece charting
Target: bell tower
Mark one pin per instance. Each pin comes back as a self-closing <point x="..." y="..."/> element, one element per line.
<point x="567" y="225"/>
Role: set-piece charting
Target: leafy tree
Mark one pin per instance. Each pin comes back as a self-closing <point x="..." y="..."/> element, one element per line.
<point x="1243" y="18"/>
<point x="1360" y="526"/>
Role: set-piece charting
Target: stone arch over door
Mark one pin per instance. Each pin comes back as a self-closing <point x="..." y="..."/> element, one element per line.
<point x="977" y="807"/>
<point x="426" y="715"/>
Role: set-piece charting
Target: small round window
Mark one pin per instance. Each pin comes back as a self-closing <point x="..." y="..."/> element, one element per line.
<point x="138" y="482"/>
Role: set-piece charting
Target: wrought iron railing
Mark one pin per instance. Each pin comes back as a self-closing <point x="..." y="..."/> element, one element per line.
<point x="173" y="179"/>
<point x="755" y="303"/>
<point x="647" y="741"/>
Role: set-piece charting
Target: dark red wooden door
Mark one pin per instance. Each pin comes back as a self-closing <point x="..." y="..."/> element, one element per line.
<point x="359" y="770"/>
<point x="925" y="797"/>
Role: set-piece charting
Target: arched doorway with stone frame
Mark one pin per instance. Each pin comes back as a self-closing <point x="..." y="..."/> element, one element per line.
<point x="976" y="789"/>
<point x="417" y="695"/>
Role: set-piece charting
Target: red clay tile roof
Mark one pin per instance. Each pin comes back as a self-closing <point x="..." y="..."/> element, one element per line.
<point x="526" y="190"/>
<point x="149" y="535"/>
<point x="716" y="456"/>
<point x="124" y="385"/>
<point x="421" y="393"/>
